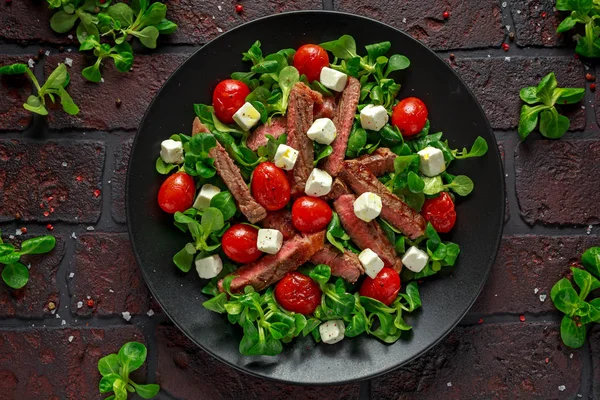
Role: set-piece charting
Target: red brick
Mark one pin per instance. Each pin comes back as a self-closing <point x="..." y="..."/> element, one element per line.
<point x="489" y="361"/>
<point x="14" y="90"/>
<point x="557" y="181"/>
<point x="42" y="363"/>
<point x="594" y="339"/>
<point x="472" y="24"/>
<point x="118" y="181"/>
<point x="525" y="263"/>
<point x="535" y="23"/>
<point x="105" y="262"/>
<point x="32" y="300"/>
<point x="497" y="83"/>
<point x="200" y="20"/>
<point x="28" y="21"/>
<point x="97" y="101"/>
<point x="34" y="180"/>
<point x="187" y="372"/>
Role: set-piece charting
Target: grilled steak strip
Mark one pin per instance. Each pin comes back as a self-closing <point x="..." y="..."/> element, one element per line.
<point x="198" y="127"/>
<point x="366" y="235"/>
<point x="379" y="162"/>
<point x="280" y="220"/>
<point x="326" y="109"/>
<point x="299" y="120"/>
<point x="338" y="188"/>
<point x="271" y="268"/>
<point x="343" y="120"/>
<point x="275" y="128"/>
<point x="345" y="265"/>
<point x="394" y="210"/>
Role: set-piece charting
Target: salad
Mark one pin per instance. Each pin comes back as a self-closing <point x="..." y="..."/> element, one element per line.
<point x="311" y="192"/>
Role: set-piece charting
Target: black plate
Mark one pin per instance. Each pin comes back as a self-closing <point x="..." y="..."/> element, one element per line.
<point x="452" y="109"/>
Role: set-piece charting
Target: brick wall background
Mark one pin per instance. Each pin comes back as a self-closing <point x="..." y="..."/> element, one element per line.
<point x="70" y="172"/>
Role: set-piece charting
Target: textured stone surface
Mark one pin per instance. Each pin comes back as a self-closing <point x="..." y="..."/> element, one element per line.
<point x="15" y="89"/>
<point x="496" y="82"/>
<point x="488" y="361"/>
<point x="97" y="101"/>
<point x="472" y="24"/>
<point x="525" y="263"/>
<point x="32" y="300"/>
<point x="557" y="181"/>
<point x="184" y="370"/>
<point x="594" y="337"/>
<point x="202" y="20"/>
<point x="106" y="271"/>
<point x="28" y="21"/>
<point x="42" y="364"/>
<point x="118" y="179"/>
<point x="535" y="23"/>
<point x="51" y="180"/>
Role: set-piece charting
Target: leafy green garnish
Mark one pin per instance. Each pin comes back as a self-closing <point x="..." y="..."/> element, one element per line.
<point x="14" y="273"/>
<point x="552" y="124"/>
<point x="582" y="12"/>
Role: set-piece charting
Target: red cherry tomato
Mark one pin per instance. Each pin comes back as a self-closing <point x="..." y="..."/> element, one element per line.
<point x="298" y="293"/>
<point x="440" y="212"/>
<point x="239" y="243"/>
<point x="384" y="287"/>
<point x="410" y="116"/>
<point x="177" y="193"/>
<point x="311" y="214"/>
<point x="228" y="97"/>
<point x="270" y="186"/>
<point x="310" y="60"/>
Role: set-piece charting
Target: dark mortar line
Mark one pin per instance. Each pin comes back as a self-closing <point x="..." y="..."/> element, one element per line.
<point x="587" y="370"/>
<point x="365" y="390"/>
<point x="62" y="282"/>
<point x="547" y="317"/>
<point x="514" y="51"/>
<point x="507" y="20"/>
<point x="508" y="144"/>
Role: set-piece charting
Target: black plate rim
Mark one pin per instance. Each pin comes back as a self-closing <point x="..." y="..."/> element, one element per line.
<point x="128" y="208"/>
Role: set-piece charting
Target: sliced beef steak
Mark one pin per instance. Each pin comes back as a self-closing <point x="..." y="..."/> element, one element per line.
<point x="379" y="162"/>
<point x="338" y="188"/>
<point x="280" y="220"/>
<point x="343" y="120"/>
<point x="275" y="128"/>
<point x="366" y="235"/>
<point x="198" y="127"/>
<point x="326" y="109"/>
<point x="394" y="210"/>
<point x="345" y="265"/>
<point x="299" y="119"/>
<point x="271" y="268"/>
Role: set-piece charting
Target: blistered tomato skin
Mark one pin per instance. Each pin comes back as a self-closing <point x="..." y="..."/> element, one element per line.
<point x="310" y="60"/>
<point x="311" y="214"/>
<point x="298" y="293"/>
<point x="239" y="243"/>
<point x="384" y="287"/>
<point x="177" y="193"/>
<point x="440" y="212"/>
<point x="410" y="116"/>
<point x="270" y="186"/>
<point x="228" y="97"/>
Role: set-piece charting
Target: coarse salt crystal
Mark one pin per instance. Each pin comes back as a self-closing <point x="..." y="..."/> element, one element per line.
<point x="583" y="107"/>
<point x="220" y="8"/>
<point x="63" y="322"/>
<point x="31" y="63"/>
<point x="102" y="80"/>
<point x="47" y="53"/>
<point x="71" y="275"/>
<point x="518" y="11"/>
<point x="449" y="384"/>
<point x="126" y="315"/>
<point x="53" y="312"/>
<point x="562" y="388"/>
<point x="69" y="62"/>
<point x="150" y="313"/>
<point x="543" y="297"/>
<point x="18" y="232"/>
<point x="70" y="37"/>
<point x="79" y="304"/>
<point x="589" y="229"/>
<point x="28" y="266"/>
<point x="73" y="235"/>
<point x="403" y="20"/>
<point x="219" y="30"/>
<point x="90" y="228"/>
<point x="536" y="290"/>
<point x="88" y="297"/>
<point x="111" y="291"/>
<point x="11" y="236"/>
<point x="504" y="5"/>
<point x="507" y="59"/>
<point x="571" y="355"/>
<point x="64" y="164"/>
<point x="71" y="339"/>
<point x="507" y="27"/>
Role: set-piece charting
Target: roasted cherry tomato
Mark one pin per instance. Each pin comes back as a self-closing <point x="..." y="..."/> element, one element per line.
<point x="270" y="186"/>
<point x="239" y="243"/>
<point x="410" y="116"/>
<point x="310" y="60"/>
<point x="177" y="193"/>
<point x="298" y="293"/>
<point x="440" y="212"/>
<point x="228" y="97"/>
<point x="384" y="287"/>
<point x="311" y="214"/>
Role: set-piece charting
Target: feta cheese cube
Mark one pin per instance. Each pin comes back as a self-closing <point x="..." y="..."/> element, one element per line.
<point x="373" y="117"/>
<point x="332" y="331"/>
<point x="318" y="183"/>
<point x="415" y="259"/>
<point x="332" y="79"/>
<point x="247" y="116"/>
<point x="367" y="206"/>
<point x="322" y="131"/>
<point x="209" y="267"/>
<point x="269" y="240"/>
<point x="171" y="151"/>
<point x="207" y="192"/>
<point x="285" y="157"/>
<point x="431" y="161"/>
<point x="371" y="262"/>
